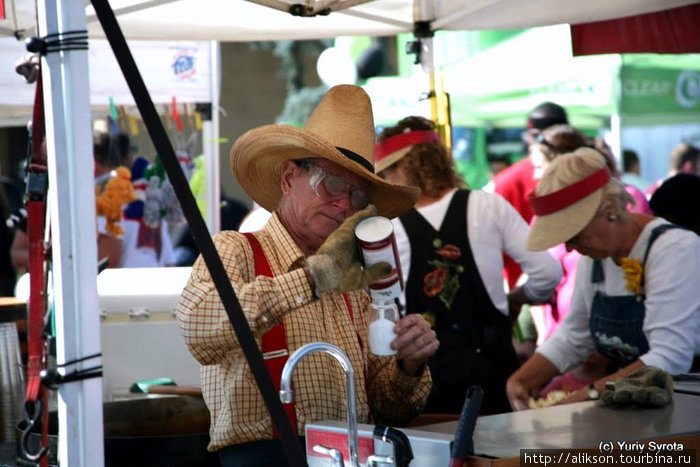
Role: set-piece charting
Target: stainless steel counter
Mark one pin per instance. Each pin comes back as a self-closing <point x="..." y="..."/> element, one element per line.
<point x="580" y="425"/>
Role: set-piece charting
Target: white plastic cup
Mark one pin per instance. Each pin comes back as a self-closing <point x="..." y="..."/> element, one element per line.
<point x="382" y="320"/>
<point x="377" y="242"/>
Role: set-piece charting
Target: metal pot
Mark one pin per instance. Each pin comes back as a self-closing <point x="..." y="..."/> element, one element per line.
<point x="146" y="431"/>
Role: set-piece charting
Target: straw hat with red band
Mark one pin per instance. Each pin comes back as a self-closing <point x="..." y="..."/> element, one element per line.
<point x="340" y="129"/>
<point x="392" y="149"/>
<point x="574" y="185"/>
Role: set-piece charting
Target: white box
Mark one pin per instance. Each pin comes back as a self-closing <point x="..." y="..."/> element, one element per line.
<point x="140" y="336"/>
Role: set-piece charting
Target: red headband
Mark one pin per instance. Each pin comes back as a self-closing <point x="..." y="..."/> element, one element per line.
<point x="403" y="140"/>
<point x="560" y="199"/>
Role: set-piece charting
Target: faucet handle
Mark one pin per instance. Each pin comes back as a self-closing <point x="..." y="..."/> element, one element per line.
<point x="286" y="396"/>
<point x="374" y="459"/>
<point x="335" y="454"/>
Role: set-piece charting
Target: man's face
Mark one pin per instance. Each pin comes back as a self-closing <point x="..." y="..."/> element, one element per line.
<point x="312" y="214"/>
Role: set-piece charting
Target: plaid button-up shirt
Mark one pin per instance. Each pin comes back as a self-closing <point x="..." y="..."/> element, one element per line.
<point x="238" y="412"/>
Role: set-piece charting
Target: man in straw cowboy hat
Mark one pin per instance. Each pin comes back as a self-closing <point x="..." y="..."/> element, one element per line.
<point x="319" y="183"/>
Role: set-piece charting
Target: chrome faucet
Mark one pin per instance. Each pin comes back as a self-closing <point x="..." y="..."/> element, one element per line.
<point x="287" y="395"/>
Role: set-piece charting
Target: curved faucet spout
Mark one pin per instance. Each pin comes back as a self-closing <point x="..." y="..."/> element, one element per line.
<point x="287" y="395"/>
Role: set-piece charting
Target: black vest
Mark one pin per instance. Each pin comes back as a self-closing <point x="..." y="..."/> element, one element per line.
<point x="475" y="337"/>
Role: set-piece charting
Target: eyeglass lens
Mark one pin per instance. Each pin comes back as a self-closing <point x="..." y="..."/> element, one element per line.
<point x="333" y="186"/>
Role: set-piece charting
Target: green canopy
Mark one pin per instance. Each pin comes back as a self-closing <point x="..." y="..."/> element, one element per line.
<point x="498" y="85"/>
<point x="493" y="82"/>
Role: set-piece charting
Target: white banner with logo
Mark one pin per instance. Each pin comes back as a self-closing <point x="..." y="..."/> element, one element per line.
<point x="179" y="69"/>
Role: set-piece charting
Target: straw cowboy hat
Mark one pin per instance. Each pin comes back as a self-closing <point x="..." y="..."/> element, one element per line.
<point x="340" y="129"/>
<point x="567" y="197"/>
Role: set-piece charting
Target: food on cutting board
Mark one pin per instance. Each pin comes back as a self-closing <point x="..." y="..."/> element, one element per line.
<point x="551" y="398"/>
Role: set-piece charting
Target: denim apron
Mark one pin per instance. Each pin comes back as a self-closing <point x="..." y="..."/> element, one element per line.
<point x="616" y="322"/>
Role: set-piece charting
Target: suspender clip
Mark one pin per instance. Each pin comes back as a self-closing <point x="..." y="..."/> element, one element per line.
<point x="275" y="354"/>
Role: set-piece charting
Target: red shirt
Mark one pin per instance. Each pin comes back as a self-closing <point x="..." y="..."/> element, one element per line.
<point x="515" y="183"/>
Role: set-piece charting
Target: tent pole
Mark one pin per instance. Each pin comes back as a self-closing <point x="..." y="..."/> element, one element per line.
<point x="616" y="117"/>
<point x="210" y="129"/>
<point x="615" y="138"/>
<point x="439" y="100"/>
<point x="74" y="245"/>
<point x="424" y="17"/>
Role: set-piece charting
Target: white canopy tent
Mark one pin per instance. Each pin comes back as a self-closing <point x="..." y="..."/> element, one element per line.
<point x="68" y="129"/>
<point x="240" y="20"/>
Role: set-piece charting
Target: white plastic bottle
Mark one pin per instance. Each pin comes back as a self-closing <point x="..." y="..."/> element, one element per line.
<point x="381" y="328"/>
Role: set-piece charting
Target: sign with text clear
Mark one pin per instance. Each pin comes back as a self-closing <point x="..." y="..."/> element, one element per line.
<point x="654" y="91"/>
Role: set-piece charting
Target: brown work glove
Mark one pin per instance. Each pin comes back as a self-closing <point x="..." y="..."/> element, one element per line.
<point x="648" y="386"/>
<point x="336" y="265"/>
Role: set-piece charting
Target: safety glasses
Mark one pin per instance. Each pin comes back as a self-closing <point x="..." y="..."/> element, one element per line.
<point x="330" y="187"/>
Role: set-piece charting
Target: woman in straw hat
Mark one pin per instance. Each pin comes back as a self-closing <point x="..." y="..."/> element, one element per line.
<point x="451" y="246"/>
<point x="546" y="145"/>
<point x="635" y="298"/>
<point x="553" y="142"/>
<point x="318" y="182"/>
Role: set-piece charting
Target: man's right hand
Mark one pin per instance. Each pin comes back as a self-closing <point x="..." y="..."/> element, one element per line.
<point x="336" y="265"/>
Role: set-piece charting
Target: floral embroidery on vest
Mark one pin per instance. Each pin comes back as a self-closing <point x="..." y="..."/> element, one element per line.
<point x="443" y="281"/>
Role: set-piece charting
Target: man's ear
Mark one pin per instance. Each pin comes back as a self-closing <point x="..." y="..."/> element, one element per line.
<point x="610" y="208"/>
<point x="288" y="172"/>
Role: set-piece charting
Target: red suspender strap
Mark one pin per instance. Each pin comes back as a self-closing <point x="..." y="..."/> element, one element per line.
<point x="359" y="340"/>
<point x="274" y="341"/>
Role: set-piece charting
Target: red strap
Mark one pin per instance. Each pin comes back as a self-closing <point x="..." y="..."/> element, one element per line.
<point x="35" y="339"/>
<point x="38" y="124"/>
<point x="36" y="212"/>
<point x="36" y="224"/>
<point x="274" y="341"/>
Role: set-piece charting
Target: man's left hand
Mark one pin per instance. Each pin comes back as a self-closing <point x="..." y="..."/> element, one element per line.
<point x="415" y="342"/>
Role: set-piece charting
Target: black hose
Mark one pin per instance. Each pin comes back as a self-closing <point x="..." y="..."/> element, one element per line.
<point x="403" y="454"/>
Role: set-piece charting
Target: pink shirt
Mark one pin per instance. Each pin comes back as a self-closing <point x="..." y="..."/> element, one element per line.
<point x="641" y="204"/>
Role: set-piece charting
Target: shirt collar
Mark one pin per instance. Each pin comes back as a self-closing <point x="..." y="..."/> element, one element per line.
<point x="289" y="254"/>
<point x="640" y="246"/>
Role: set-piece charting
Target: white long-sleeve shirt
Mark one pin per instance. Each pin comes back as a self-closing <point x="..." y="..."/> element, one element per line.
<point x="494" y="227"/>
<point x="672" y="304"/>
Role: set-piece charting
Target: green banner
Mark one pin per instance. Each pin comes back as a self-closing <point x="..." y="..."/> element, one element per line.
<point x="660" y="91"/>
